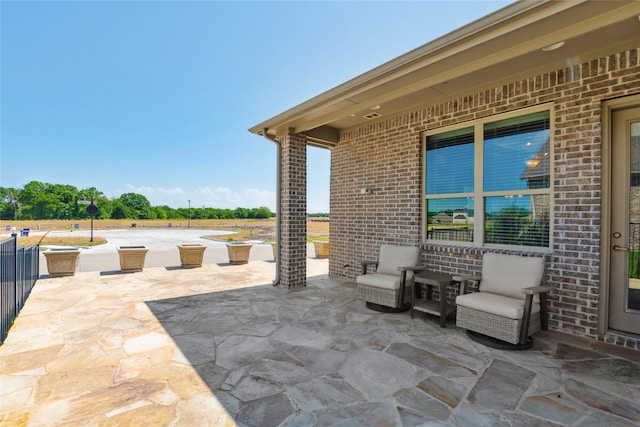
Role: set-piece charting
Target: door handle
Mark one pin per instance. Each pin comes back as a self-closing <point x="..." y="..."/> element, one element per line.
<point x="620" y="248"/>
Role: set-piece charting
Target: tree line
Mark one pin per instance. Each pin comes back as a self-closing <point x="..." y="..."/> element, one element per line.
<point x="40" y="201"/>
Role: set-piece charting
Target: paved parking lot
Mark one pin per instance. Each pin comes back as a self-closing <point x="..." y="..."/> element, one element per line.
<point x="162" y="244"/>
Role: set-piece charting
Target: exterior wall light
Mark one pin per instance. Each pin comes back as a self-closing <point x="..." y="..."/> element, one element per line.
<point x="366" y="190"/>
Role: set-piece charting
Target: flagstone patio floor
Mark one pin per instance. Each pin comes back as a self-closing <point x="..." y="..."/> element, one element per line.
<point x="219" y="345"/>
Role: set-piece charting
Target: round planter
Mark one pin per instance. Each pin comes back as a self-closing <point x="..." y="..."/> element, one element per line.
<point x="238" y="252"/>
<point x="191" y="255"/>
<point x="62" y="262"/>
<point x="322" y="248"/>
<point x="132" y="258"/>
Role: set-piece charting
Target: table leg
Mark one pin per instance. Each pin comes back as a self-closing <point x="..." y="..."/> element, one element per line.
<point x="443" y="305"/>
<point x="413" y="296"/>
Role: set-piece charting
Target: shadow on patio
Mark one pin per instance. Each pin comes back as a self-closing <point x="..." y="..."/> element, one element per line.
<point x="209" y="347"/>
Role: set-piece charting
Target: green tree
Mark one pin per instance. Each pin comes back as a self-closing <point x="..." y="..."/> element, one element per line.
<point x="10" y="205"/>
<point x="209" y="213"/>
<point x="49" y="201"/>
<point x="261" y="212"/>
<point x="163" y="212"/>
<point x="66" y="197"/>
<point x="241" y="213"/>
<point x="138" y="205"/>
<point x="29" y="197"/>
<point x="181" y="213"/>
<point x="120" y="210"/>
<point x="227" y="214"/>
<point x="39" y="200"/>
<point x="46" y="206"/>
<point x="105" y="207"/>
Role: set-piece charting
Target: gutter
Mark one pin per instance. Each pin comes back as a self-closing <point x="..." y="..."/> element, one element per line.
<point x="275" y="140"/>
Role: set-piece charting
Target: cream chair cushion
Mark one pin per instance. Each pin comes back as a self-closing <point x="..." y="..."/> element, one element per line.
<point x="500" y="305"/>
<point x="507" y="274"/>
<point x="384" y="281"/>
<point x="391" y="257"/>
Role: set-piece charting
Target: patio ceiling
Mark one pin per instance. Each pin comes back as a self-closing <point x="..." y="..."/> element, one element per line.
<point x="501" y="47"/>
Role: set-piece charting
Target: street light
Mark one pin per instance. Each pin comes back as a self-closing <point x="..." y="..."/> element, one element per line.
<point x="92" y="210"/>
<point x="189" y="215"/>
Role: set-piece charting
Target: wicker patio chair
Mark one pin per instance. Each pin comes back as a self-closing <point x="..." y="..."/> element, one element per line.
<point x="510" y="304"/>
<point x="389" y="287"/>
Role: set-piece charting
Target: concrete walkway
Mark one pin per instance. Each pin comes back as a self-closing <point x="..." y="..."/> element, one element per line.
<point x="219" y="345"/>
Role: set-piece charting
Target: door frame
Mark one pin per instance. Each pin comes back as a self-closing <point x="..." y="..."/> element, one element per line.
<point x="608" y="108"/>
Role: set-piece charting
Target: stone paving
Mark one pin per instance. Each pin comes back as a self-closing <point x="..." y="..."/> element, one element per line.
<point x="219" y="345"/>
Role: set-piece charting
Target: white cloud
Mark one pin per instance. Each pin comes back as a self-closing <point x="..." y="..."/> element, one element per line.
<point x="219" y="197"/>
<point x="223" y="197"/>
<point x="160" y="191"/>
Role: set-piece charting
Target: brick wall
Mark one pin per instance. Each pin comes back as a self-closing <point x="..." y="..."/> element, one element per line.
<point x="293" y="227"/>
<point x="386" y="155"/>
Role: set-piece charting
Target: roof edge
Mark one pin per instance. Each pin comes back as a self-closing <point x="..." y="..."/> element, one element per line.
<point x="513" y="12"/>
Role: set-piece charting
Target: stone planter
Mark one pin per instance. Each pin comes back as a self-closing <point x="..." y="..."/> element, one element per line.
<point x="321" y="248"/>
<point x="239" y="252"/>
<point x="274" y="248"/>
<point x="191" y="255"/>
<point x="62" y="262"/>
<point x="132" y="258"/>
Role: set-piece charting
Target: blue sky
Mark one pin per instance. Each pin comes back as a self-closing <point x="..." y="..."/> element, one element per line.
<point x="155" y="97"/>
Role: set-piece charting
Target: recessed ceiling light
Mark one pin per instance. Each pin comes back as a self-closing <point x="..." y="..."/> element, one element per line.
<point x="372" y="115"/>
<point x="375" y="107"/>
<point x="553" y="46"/>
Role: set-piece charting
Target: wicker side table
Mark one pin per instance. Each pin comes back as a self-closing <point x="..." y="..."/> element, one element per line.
<point x="428" y="305"/>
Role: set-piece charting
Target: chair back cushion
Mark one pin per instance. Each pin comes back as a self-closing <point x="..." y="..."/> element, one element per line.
<point x="391" y="257"/>
<point x="508" y="274"/>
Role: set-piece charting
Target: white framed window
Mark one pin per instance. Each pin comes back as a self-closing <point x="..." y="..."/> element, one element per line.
<point x="489" y="182"/>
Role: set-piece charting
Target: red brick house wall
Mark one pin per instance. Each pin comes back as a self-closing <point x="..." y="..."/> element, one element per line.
<point x="386" y="156"/>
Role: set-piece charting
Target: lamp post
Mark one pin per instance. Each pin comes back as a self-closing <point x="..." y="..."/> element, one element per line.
<point x="92" y="210"/>
<point x="92" y="214"/>
<point x="189" y="216"/>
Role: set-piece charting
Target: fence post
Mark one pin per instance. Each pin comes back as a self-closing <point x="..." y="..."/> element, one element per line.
<point x="15" y="273"/>
<point x="15" y="277"/>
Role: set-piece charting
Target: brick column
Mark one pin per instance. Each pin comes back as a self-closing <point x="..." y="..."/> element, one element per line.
<point x="293" y="211"/>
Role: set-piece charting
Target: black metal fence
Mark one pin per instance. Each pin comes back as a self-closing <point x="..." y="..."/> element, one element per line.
<point x="19" y="270"/>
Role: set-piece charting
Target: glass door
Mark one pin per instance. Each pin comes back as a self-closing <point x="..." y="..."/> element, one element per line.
<point x="624" y="281"/>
